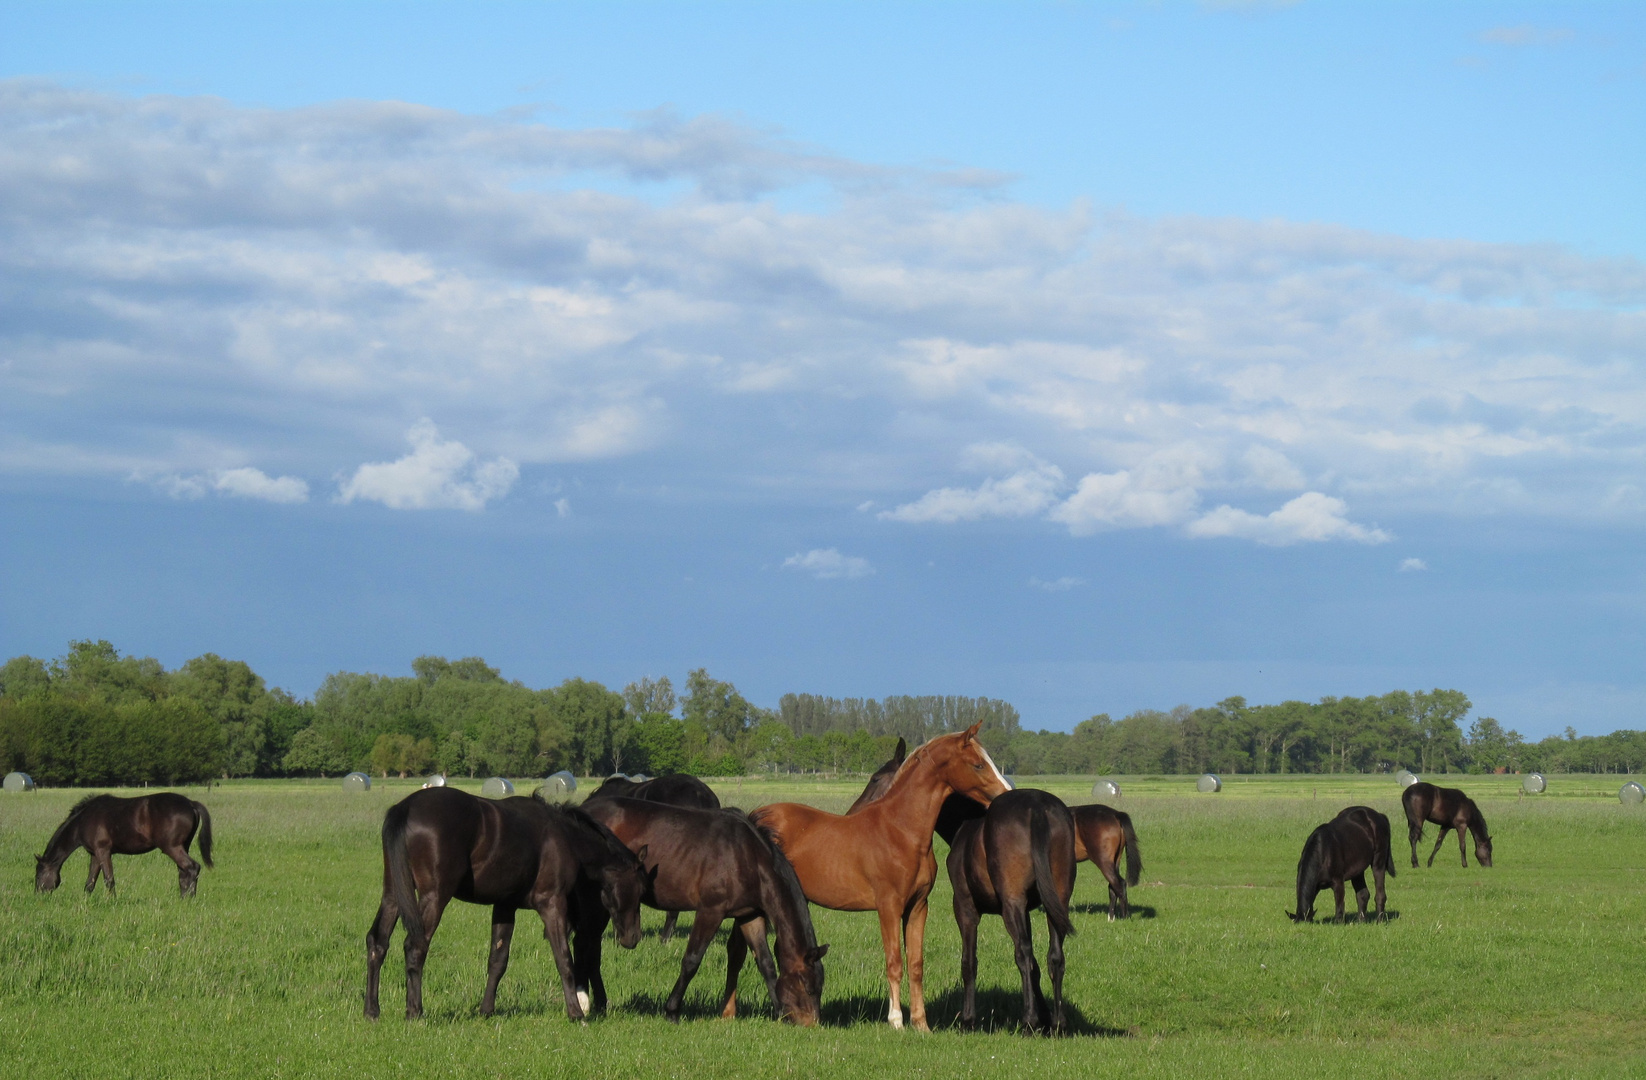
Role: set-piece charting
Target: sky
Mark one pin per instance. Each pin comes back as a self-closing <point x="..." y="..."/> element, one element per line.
<point x="1093" y="357"/>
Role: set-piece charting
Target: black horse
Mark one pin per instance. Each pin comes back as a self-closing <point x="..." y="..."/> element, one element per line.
<point x="1450" y="809"/>
<point x="721" y="865"/>
<point x="1018" y="857"/>
<point x="1342" y="850"/>
<point x="441" y="843"/>
<point x="107" y="825"/>
<point x="1100" y="834"/>
<point x="673" y="789"/>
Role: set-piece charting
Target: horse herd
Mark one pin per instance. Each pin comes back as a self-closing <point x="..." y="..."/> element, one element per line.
<point x="667" y="843"/>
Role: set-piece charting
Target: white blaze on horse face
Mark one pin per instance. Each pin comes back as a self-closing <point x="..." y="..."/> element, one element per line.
<point x="992" y="766"/>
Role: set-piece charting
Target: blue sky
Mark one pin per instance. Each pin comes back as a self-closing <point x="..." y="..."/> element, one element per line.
<point x="1095" y="357"/>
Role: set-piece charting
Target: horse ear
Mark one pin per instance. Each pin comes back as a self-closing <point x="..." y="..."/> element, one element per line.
<point x="641" y="854"/>
<point x="817" y="954"/>
<point x="902" y="749"/>
<point x="971" y="732"/>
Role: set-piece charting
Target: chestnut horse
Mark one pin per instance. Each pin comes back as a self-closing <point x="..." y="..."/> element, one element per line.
<point x="880" y="858"/>
<point x="442" y="843"/>
<point x="721" y="865"/>
<point x="1019" y="857"/>
<point x="673" y="789"/>
<point x="107" y="825"/>
<point x="1342" y="850"/>
<point x="1100" y="832"/>
<point x="1450" y="809"/>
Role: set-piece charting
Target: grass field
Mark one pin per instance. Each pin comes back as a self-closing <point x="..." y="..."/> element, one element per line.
<point x="1531" y="968"/>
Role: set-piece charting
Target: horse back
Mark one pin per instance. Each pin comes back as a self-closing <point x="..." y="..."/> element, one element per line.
<point x="697" y="857"/>
<point x="842" y="862"/>
<point x="482" y="851"/>
<point x="1098" y="835"/>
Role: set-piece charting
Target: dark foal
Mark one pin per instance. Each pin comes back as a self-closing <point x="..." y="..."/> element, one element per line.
<point x="721" y="865"/>
<point x="441" y="844"/>
<point x="106" y="826"/>
<point x="1100" y="833"/>
<point x="1018" y="857"/>
<point x="1450" y="809"/>
<point x="672" y="789"/>
<point x="1342" y="850"/>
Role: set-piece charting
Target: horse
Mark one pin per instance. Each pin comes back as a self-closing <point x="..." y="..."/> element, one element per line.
<point x="1450" y="809"/>
<point x="674" y="789"/>
<point x="107" y="825"/>
<point x="442" y="843"/>
<point x="1342" y="850"/>
<point x="1018" y="857"/>
<point x="1100" y="832"/>
<point x="880" y="858"/>
<point x="722" y="865"/>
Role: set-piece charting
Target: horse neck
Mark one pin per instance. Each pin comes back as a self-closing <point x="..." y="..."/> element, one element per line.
<point x="64" y="842"/>
<point x="789" y="918"/>
<point x="1476" y="822"/>
<point x="590" y="846"/>
<point x="916" y="794"/>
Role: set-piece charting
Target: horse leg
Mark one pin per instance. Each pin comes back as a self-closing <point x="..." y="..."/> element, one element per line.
<point x="890" y="941"/>
<point x="1016" y="917"/>
<point x="1377" y="877"/>
<point x="557" y="928"/>
<point x="1117" y="888"/>
<point x="1337" y="894"/>
<point x="106" y="860"/>
<point x="377" y="947"/>
<point x="1054" y="966"/>
<point x="1441" y="839"/>
<point x="1414" y="833"/>
<point x="417" y="951"/>
<point x="586" y="957"/>
<point x="914" y="938"/>
<point x="497" y="960"/>
<point x="1461" y="849"/>
<point x="92" y="871"/>
<point x="1361" y="893"/>
<point x="704" y="924"/>
<point x="188" y="871"/>
<point x="667" y="934"/>
<point x="737" y="949"/>
<point x="754" y="932"/>
<point x="966" y="917"/>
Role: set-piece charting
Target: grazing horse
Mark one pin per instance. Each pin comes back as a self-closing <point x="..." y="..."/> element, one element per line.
<point x="674" y="789"/>
<point x="442" y="843"/>
<point x="721" y="865"/>
<point x="1450" y="809"/>
<point x="1019" y="857"/>
<point x="880" y="858"/>
<point x="1342" y="850"/>
<point x="1100" y="832"/>
<point x="107" y="825"/>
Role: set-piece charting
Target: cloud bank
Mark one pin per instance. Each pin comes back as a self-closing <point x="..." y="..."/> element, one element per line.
<point x="186" y="286"/>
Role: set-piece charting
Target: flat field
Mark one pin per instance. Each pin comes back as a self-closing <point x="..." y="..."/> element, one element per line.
<point x="1531" y="968"/>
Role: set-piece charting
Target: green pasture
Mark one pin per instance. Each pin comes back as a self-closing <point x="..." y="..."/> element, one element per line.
<point x="1528" y="969"/>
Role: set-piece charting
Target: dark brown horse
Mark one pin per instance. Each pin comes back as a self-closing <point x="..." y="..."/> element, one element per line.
<point x="1019" y="857"/>
<point x="880" y="858"/>
<point x="721" y="865"/>
<point x="1100" y="833"/>
<point x="107" y="825"/>
<point x="442" y="843"/>
<point x="673" y="789"/>
<point x="881" y="778"/>
<point x="1342" y="850"/>
<point x="1450" y="809"/>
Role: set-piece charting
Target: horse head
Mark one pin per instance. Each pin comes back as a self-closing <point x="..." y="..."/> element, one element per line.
<point x="1483" y="850"/>
<point x="47" y="875"/>
<point x="800" y="992"/>
<point x="623" y="881"/>
<point x="966" y="767"/>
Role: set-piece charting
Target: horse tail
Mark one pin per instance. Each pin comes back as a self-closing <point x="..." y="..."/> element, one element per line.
<point x="203" y="817"/>
<point x="1057" y="912"/>
<point x="1134" y="855"/>
<point x="1383" y="840"/>
<point x="398" y="863"/>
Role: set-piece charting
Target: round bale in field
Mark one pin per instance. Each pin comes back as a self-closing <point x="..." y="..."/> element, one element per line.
<point x="559" y="785"/>
<point x="497" y="788"/>
<point x="19" y="781"/>
<point x="357" y="781"/>
<point x="1107" y="788"/>
<point x="1534" y="784"/>
<point x="1209" y="782"/>
<point x="437" y="780"/>
<point x="1631" y="794"/>
<point x="1405" y="778"/>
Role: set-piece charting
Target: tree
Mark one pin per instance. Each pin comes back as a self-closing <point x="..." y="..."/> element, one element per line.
<point x="22" y="676"/>
<point x="312" y="752"/>
<point x="650" y="697"/>
<point x="717" y="706"/>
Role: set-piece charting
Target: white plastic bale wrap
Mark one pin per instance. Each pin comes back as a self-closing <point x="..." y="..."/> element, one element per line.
<point x="1106" y="788"/>
<point x="1631" y="794"/>
<point x="357" y="781"/>
<point x="1208" y="783"/>
<point x="497" y="788"/>
<point x="1405" y="778"/>
<point x="435" y="781"/>
<point x="1534" y="784"/>
<point x="19" y="781"/>
<point x="560" y="785"/>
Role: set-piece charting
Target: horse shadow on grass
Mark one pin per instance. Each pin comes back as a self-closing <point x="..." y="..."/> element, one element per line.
<point x="1351" y="918"/>
<point x="1139" y="911"/>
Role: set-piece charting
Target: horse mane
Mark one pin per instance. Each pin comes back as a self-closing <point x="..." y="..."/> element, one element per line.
<point x="74" y="815"/>
<point x="581" y="820"/>
<point x="787" y="877"/>
<point x="1477" y="818"/>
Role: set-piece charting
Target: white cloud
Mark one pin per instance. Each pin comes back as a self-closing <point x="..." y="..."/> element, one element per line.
<point x="434" y="476"/>
<point x="250" y="483"/>
<point x="1311" y="516"/>
<point x="1269" y="468"/>
<point x="562" y="508"/>
<point x="1122" y="500"/>
<point x="1408" y="566"/>
<point x="1062" y="584"/>
<point x="829" y="563"/>
<point x="1025" y="492"/>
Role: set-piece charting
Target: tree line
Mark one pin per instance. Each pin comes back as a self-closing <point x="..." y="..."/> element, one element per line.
<point x="94" y="716"/>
